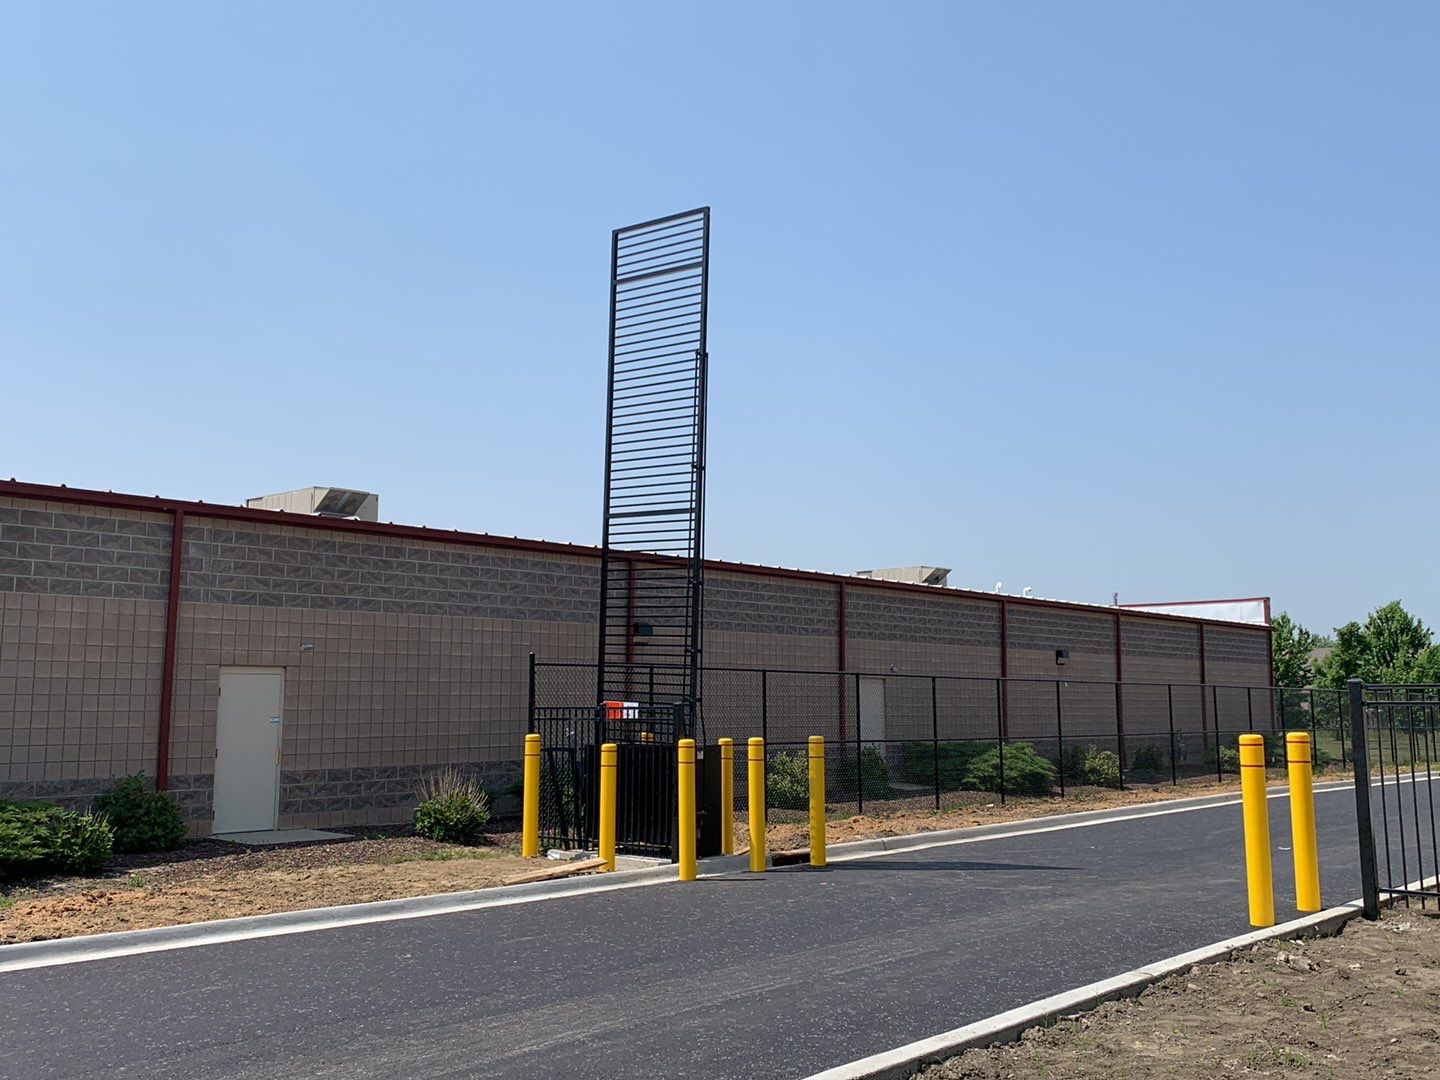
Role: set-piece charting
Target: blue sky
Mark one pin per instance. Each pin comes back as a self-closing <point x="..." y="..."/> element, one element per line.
<point x="1084" y="297"/>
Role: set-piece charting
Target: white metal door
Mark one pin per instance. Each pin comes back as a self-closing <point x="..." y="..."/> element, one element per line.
<point x="247" y="749"/>
<point x="872" y="710"/>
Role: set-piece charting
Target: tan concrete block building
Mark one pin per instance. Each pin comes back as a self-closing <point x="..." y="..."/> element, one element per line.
<point x="391" y="650"/>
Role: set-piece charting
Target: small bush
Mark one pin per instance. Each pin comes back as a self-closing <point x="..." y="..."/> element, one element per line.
<point x="38" y="838"/>
<point x="919" y="761"/>
<point x="787" y="780"/>
<point x="1229" y="759"/>
<point x="1149" y="760"/>
<point x="453" y="807"/>
<point x="79" y="843"/>
<point x="20" y="852"/>
<point x="1025" y="771"/>
<point x="143" y="820"/>
<point x="874" y="775"/>
<point x="1072" y="763"/>
<point x="1102" y="768"/>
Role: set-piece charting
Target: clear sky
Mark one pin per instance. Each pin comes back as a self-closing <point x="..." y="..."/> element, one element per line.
<point x="1094" y="298"/>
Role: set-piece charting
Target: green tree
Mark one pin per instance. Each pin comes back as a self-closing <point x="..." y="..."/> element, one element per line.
<point x="1293" y="646"/>
<point x="1391" y="646"/>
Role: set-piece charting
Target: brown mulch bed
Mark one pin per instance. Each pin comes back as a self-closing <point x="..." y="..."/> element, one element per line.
<point x="214" y="879"/>
<point x="1365" y="1003"/>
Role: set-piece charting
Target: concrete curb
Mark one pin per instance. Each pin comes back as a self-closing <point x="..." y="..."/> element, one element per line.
<point x="902" y="1062"/>
<point x="36" y="954"/>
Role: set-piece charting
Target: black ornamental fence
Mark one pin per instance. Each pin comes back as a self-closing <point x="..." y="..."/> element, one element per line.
<point x="1395" y="754"/>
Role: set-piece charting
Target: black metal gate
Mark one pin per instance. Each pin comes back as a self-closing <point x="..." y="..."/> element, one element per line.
<point x="1395" y="740"/>
<point x="570" y="739"/>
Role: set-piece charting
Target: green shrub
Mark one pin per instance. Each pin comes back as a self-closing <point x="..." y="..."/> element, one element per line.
<point x="919" y="760"/>
<point x="1025" y="771"/>
<point x="453" y="807"/>
<point x="79" y="843"/>
<point x="38" y="838"/>
<point x="21" y="854"/>
<point x="1102" y="768"/>
<point x="1148" y="759"/>
<point x="143" y="820"/>
<point x="1229" y="759"/>
<point x="787" y="780"/>
<point x="874" y="775"/>
<point x="1072" y="763"/>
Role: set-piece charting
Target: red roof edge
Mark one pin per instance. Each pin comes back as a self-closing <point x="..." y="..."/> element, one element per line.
<point x="16" y="489"/>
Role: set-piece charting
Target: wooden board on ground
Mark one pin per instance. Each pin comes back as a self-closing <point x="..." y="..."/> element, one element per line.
<point x="551" y="873"/>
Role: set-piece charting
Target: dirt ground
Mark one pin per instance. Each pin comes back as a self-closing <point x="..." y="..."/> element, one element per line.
<point x="1363" y="1004"/>
<point x="211" y="879"/>
<point x="960" y="809"/>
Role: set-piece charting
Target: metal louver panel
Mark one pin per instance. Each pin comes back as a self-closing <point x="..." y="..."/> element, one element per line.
<point x="652" y="553"/>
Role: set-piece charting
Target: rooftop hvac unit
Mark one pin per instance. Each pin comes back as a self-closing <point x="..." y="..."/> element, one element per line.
<point x="331" y="502"/>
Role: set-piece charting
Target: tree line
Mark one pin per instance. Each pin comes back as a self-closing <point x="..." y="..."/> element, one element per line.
<point x="1390" y="646"/>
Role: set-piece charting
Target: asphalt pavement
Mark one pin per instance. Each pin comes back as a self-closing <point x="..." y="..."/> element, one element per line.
<point x="753" y="975"/>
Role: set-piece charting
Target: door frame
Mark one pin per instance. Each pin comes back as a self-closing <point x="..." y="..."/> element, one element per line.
<point x="250" y="669"/>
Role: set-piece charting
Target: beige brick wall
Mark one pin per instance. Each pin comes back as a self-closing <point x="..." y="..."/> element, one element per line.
<point x="79" y="687"/>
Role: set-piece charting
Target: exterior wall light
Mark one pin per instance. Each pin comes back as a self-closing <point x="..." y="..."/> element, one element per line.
<point x="1062" y="657"/>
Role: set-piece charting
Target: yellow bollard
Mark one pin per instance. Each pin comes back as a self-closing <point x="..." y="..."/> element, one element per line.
<point x="530" y="811"/>
<point x="1302" y="821"/>
<point x="608" y="756"/>
<point x="756" y="751"/>
<point x="817" y="800"/>
<point x="686" y="783"/>
<point x="1257" y="830"/>
<point x="727" y="796"/>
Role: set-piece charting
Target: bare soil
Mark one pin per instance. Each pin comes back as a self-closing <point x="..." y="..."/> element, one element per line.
<point x="962" y="809"/>
<point x="212" y="879"/>
<point x="1365" y="1003"/>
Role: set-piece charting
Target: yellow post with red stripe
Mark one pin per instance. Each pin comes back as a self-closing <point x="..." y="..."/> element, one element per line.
<point x="609" y="755"/>
<point x="817" y="800"/>
<point x="686" y="783"/>
<point x="756" y="752"/>
<point x="1257" y="830"/>
<point x="727" y="796"/>
<point x="1302" y="821"/>
<point x="530" y="809"/>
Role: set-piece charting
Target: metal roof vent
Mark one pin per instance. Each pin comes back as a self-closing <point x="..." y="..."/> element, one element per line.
<point x="915" y="575"/>
<point x="331" y="502"/>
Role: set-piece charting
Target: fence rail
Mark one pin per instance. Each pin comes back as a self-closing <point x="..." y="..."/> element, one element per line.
<point x="930" y="741"/>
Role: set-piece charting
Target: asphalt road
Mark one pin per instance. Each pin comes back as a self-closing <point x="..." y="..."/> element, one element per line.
<point x="755" y="976"/>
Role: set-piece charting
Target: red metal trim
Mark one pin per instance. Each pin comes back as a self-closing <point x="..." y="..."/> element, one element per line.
<point x="1119" y="689"/>
<point x="842" y="634"/>
<point x="1004" y="668"/>
<point x="220" y="511"/>
<point x="167" y="667"/>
